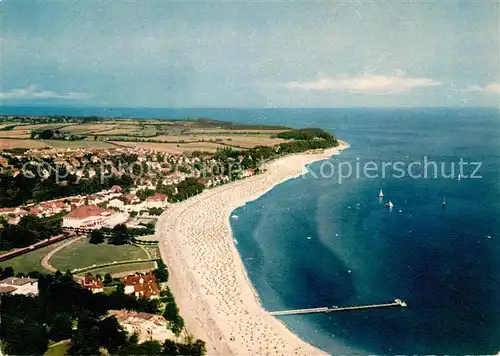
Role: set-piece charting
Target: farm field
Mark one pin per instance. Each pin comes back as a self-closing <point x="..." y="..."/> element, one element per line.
<point x="87" y="128"/>
<point x="24" y="131"/>
<point x="16" y="134"/>
<point x="121" y="130"/>
<point x="39" y="127"/>
<point x="173" y="148"/>
<point x="242" y="131"/>
<point x="11" y="143"/>
<point x="77" y="144"/>
<point x="180" y="136"/>
<point x="83" y="254"/>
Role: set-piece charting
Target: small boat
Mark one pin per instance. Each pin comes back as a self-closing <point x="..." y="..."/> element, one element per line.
<point x="389" y="204"/>
<point x="381" y="194"/>
<point x="443" y="204"/>
<point x="235" y="217"/>
<point x="459" y="177"/>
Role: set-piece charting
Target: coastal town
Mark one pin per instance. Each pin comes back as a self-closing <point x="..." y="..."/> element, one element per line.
<point x="249" y="178"/>
<point x="111" y="206"/>
<point x="95" y="216"/>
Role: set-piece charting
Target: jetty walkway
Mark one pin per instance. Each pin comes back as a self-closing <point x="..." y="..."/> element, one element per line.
<point x="396" y="303"/>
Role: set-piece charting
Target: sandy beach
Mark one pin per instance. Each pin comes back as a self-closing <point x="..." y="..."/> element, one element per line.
<point x="207" y="276"/>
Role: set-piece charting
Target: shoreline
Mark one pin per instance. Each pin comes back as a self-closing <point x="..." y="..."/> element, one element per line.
<point x="207" y="277"/>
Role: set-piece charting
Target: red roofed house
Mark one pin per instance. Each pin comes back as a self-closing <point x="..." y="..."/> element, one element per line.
<point x="116" y="189"/>
<point x="55" y="207"/>
<point x="159" y="200"/>
<point x="92" y="284"/>
<point x="142" y="286"/>
<point x="248" y="173"/>
<point x="3" y="162"/>
<point x="131" y="199"/>
<point x="8" y="211"/>
<point x="35" y="211"/>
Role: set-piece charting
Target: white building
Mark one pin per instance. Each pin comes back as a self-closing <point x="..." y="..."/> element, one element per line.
<point x="15" y="285"/>
<point x="93" y="217"/>
<point x="147" y="326"/>
<point x="116" y="203"/>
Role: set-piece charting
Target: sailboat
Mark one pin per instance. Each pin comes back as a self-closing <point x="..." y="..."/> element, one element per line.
<point x="381" y="194"/>
<point x="389" y="204"/>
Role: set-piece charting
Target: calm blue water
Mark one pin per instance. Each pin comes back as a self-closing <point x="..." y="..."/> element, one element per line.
<point x="299" y="241"/>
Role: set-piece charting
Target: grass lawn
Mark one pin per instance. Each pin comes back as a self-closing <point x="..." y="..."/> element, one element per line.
<point x="83" y="254"/>
<point x="30" y="261"/>
<point x="57" y="349"/>
<point x="130" y="267"/>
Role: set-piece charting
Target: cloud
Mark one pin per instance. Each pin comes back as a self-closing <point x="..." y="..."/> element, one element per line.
<point x="31" y="92"/>
<point x="492" y="88"/>
<point x="366" y="83"/>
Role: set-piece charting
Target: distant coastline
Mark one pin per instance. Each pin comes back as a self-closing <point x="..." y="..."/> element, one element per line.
<point x="216" y="298"/>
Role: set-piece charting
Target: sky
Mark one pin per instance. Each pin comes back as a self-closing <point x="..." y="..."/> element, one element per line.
<point x="164" y="54"/>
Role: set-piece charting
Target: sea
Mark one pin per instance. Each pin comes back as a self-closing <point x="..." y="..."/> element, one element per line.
<point x="327" y="239"/>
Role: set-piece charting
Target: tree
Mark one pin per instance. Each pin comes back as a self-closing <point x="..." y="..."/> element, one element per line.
<point x="43" y="135"/>
<point x="170" y="347"/>
<point x="177" y="325"/>
<point x="85" y="341"/>
<point x="161" y="273"/>
<point x="133" y="339"/>
<point x="96" y="237"/>
<point x="19" y="332"/>
<point x="61" y="327"/>
<point x="111" y="334"/>
<point x="108" y="279"/>
<point x="148" y="348"/>
<point x="196" y="348"/>
<point x="120" y="288"/>
<point x="16" y="236"/>
<point x="8" y="272"/>
<point x="120" y="235"/>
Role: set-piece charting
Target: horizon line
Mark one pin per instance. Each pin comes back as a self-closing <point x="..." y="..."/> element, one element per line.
<point x="250" y="108"/>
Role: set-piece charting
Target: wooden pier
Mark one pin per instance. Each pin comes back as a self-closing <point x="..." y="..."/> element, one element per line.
<point x="396" y="303"/>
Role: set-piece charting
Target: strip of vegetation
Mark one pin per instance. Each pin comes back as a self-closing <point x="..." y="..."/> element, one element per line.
<point x="120" y="234"/>
<point x="306" y="134"/>
<point x="29" y="230"/>
<point x="50" y="119"/>
<point x="50" y="134"/>
<point x="18" y="190"/>
<point x="8" y="128"/>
